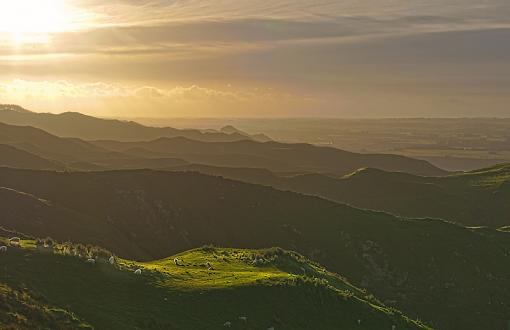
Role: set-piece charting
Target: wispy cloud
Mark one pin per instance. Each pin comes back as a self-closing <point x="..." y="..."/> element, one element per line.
<point x="347" y="53"/>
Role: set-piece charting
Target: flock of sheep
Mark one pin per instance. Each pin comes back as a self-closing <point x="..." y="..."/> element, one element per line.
<point x="13" y="241"/>
<point x="16" y="242"/>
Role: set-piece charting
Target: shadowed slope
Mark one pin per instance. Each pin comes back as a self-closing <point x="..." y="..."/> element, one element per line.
<point x="16" y="158"/>
<point x="162" y="213"/>
<point x="478" y="198"/>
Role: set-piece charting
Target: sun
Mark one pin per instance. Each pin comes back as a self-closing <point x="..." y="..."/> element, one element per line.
<point x="33" y="20"/>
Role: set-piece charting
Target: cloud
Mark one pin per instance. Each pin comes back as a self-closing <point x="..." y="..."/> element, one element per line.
<point x="362" y="56"/>
<point x="104" y="99"/>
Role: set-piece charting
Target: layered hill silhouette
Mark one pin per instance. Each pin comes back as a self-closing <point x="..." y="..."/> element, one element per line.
<point x="207" y="288"/>
<point x="279" y="157"/>
<point x="48" y="146"/>
<point x="16" y="158"/>
<point x="165" y="152"/>
<point x="73" y="124"/>
<point x="435" y="270"/>
<point x="476" y="198"/>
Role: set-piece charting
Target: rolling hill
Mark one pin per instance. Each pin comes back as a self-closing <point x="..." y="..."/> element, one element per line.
<point x="477" y="198"/>
<point x="278" y="157"/>
<point x="205" y="289"/>
<point x="77" y="154"/>
<point x="48" y="146"/>
<point x="77" y="125"/>
<point x="152" y="214"/>
<point x="16" y="158"/>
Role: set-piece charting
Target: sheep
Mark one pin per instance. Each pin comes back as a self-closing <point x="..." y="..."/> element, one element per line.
<point x="359" y="322"/>
<point x="227" y="324"/>
<point x="270" y="328"/>
<point x="176" y="261"/>
<point x="3" y="248"/>
<point x="91" y="261"/>
<point x="15" y="241"/>
<point x="138" y="271"/>
<point x="243" y="318"/>
<point x="393" y="327"/>
<point x="111" y="260"/>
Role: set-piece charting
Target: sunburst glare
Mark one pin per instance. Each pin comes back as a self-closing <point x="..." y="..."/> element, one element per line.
<point x="24" y="21"/>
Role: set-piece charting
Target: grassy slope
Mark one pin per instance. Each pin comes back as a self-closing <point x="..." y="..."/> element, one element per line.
<point x="191" y="296"/>
<point x="19" y="310"/>
<point x="439" y="271"/>
<point x="478" y="198"/>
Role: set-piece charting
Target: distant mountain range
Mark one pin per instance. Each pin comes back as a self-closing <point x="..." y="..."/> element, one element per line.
<point x="79" y="154"/>
<point x="147" y="215"/>
<point x="77" y="125"/>
<point x="280" y="157"/>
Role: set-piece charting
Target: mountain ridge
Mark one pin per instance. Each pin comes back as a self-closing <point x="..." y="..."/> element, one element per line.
<point x="75" y="124"/>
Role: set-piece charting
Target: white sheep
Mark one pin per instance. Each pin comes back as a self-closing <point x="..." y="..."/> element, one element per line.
<point x="111" y="260"/>
<point x="176" y="261"/>
<point x="138" y="271"/>
<point x="227" y="324"/>
<point x="243" y="318"/>
<point x="91" y="261"/>
<point x="359" y="322"/>
<point x="271" y="328"/>
<point x="393" y="327"/>
<point x="15" y="241"/>
<point x="3" y="248"/>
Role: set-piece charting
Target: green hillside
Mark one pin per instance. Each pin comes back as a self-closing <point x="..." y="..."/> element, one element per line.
<point x="204" y="289"/>
<point x="147" y="215"/>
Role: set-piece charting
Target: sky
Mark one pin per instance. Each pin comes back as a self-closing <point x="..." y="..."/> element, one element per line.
<point x="257" y="58"/>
